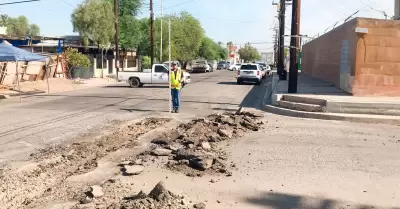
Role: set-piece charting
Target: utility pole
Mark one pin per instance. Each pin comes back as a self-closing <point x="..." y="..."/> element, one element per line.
<point x="276" y="45"/>
<point x="151" y="33"/>
<point x="281" y="49"/>
<point x="116" y="42"/>
<point x="161" y="41"/>
<point x="294" y="46"/>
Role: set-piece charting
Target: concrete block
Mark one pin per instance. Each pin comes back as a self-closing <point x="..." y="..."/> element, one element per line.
<point x="4" y="96"/>
<point x="332" y="116"/>
<point x="276" y="98"/>
<point x="305" y="100"/>
<point x="300" y="106"/>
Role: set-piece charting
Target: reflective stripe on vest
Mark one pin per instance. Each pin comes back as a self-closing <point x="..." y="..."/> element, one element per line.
<point x="175" y="81"/>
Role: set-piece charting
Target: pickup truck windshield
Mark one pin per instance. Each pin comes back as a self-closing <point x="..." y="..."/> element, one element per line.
<point x="248" y="67"/>
<point x="201" y="62"/>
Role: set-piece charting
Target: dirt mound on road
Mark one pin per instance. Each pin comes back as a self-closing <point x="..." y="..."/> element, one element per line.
<point x="158" y="198"/>
<point x="193" y="147"/>
<point x="44" y="178"/>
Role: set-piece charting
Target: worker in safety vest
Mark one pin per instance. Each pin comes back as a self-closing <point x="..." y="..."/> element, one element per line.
<point x="175" y="80"/>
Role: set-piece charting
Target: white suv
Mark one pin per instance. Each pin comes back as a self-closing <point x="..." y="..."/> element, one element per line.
<point x="250" y="72"/>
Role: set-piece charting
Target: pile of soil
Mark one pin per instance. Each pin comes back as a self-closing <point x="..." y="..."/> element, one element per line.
<point x="44" y="177"/>
<point x="193" y="147"/>
<point x="158" y="198"/>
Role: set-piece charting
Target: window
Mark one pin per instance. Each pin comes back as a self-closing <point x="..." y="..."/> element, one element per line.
<point x="160" y="69"/>
<point x="249" y="67"/>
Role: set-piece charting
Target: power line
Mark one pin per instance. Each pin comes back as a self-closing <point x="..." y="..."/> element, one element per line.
<point x="66" y="2"/>
<point x="18" y="2"/>
<point x="185" y="2"/>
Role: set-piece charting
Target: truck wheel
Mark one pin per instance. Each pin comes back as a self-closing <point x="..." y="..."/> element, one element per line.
<point x="134" y="82"/>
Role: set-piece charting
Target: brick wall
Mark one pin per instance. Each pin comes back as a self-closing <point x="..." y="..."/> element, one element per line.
<point x="324" y="56"/>
<point x="364" y="64"/>
<point x="378" y="59"/>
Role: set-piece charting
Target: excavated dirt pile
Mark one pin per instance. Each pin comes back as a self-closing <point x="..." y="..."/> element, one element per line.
<point x="44" y="177"/>
<point x="193" y="147"/>
<point x="158" y="198"/>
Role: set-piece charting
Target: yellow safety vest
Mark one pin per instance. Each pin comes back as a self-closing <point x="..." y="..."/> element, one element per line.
<point x="175" y="82"/>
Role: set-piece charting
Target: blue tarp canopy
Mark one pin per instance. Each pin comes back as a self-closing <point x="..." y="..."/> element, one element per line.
<point x="9" y="53"/>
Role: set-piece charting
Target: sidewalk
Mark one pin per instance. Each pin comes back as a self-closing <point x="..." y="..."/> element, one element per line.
<point x="55" y="85"/>
<point x="322" y="100"/>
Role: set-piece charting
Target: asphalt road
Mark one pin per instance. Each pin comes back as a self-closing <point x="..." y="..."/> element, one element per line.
<point x="41" y="120"/>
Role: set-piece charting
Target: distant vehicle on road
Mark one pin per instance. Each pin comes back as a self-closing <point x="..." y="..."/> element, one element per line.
<point x="250" y="72"/>
<point x="200" y="66"/>
<point x="222" y="65"/>
<point x="235" y="67"/>
<point x="158" y="74"/>
<point x="179" y="64"/>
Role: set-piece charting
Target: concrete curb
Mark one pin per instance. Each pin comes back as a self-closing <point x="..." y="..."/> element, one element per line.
<point x="382" y="119"/>
<point x="4" y="96"/>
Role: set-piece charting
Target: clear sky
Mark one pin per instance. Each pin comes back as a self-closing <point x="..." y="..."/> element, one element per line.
<point x="239" y="21"/>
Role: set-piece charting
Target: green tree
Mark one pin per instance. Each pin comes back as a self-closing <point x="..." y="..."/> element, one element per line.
<point x="94" y="19"/>
<point x="146" y="64"/>
<point x="186" y="36"/>
<point x="286" y="52"/>
<point x="223" y="53"/>
<point x="19" y="26"/>
<point x="249" y="53"/>
<point x="211" y="50"/>
<point x="34" y="30"/>
<point x="208" y="50"/>
<point x="76" y="59"/>
<point x="4" y="20"/>
<point x="130" y="29"/>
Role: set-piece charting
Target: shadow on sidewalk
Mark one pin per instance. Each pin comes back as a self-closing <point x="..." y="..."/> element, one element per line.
<point x="288" y="201"/>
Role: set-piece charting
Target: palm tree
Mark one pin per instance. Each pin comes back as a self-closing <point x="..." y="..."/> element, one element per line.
<point x="4" y="20"/>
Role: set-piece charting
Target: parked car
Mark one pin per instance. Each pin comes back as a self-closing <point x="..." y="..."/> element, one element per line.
<point x="200" y="66"/>
<point x="158" y="74"/>
<point x="221" y="65"/>
<point x="235" y="67"/>
<point x="250" y="72"/>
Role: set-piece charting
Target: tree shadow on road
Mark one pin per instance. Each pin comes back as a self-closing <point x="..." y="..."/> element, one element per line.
<point x="274" y="200"/>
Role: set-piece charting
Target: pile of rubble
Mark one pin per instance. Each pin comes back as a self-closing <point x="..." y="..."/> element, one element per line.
<point x="52" y="165"/>
<point x="158" y="198"/>
<point x="193" y="147"/>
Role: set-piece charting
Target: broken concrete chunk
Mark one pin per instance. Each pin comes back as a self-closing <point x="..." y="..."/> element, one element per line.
<point x="133" y="169"/>
<point x="125" y="163"/>
<point x="139" y="162"/>
<point x="254" y="114"/>
<point x="206" y="145"/>
<point x="200" y="206"/>
<point x="161" y="152"/>
<point x="160" y="141"/>
<point x="96" y="191"/>
<point x="224" y="133"/>
<point x="159" y="192"/>
<point x="202" y="163"/>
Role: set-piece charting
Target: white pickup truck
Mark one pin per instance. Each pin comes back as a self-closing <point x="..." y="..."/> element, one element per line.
<point x="158" y="74"/>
